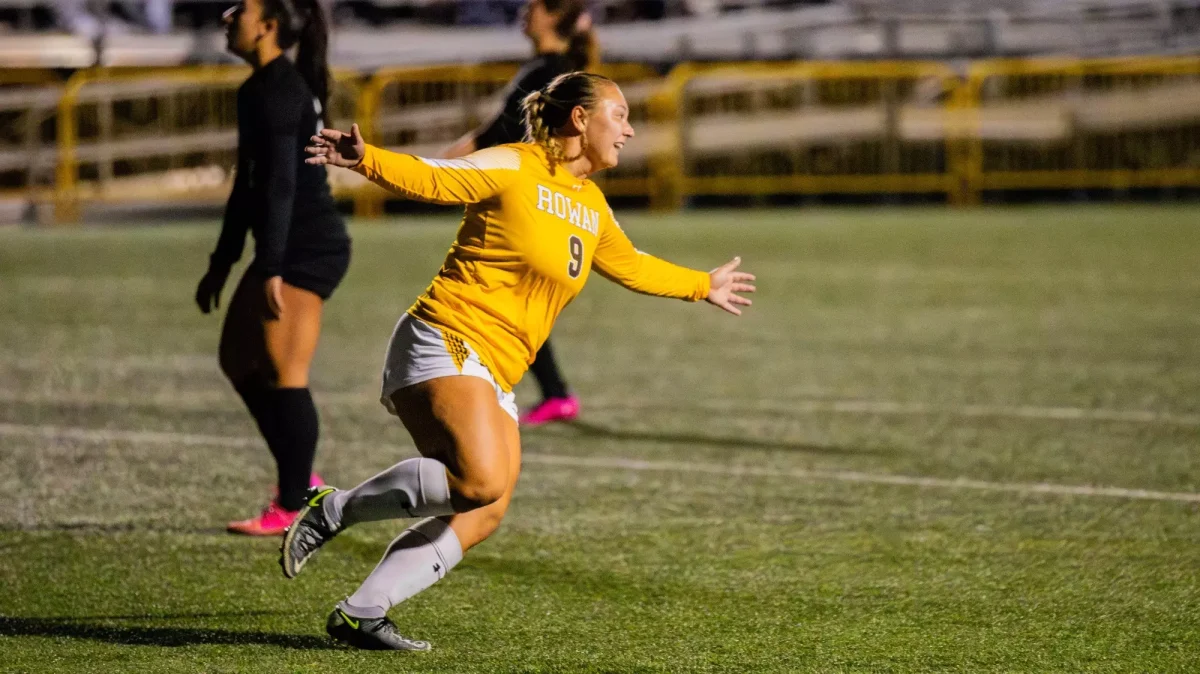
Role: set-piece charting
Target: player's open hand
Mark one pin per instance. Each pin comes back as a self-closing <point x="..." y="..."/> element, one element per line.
<point x="337" y="148"/>
<point x="208" y="292"/>
<point x="727" y="282"/>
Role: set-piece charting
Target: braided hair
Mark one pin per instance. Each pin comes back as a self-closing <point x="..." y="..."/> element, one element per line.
<point x="548" y="110"/>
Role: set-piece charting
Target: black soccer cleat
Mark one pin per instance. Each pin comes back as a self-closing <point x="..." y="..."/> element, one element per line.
<point x="370" y="634"/>
<point x="308" y="532"/>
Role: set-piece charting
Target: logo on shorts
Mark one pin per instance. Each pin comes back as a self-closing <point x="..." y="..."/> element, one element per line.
<point x="457" y="349"/>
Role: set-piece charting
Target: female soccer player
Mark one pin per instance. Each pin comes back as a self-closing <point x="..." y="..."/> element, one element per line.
<point x="533" y="229"/>
<point x="301" y="246"/>
<point x="563" y="41"/>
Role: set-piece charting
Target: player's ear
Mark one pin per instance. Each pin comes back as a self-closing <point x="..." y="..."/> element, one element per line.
<point x="579" y="119"/>
<point x="268" y="26"/>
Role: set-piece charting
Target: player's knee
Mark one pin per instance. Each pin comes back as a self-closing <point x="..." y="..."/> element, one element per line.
<point x="479" y="491"/>
<point x="292" y="378"/>
<point x="490" y="522"/>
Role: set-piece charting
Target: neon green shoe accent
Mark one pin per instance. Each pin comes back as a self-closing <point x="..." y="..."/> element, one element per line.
<point x="316" y="500"/>
<point x="349" y="621"/>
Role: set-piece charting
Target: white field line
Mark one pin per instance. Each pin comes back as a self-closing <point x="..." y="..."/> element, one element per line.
<point x="118" y="435"/>
<point x="179" y="363"/>
<point x="886" y="407"/>
<point x="920" y="275"/>
<point x="620" y="463"/>
<point x="184" y="363"/>
<point x="212" y="400"/>
<point x="104" y="285"/>
<point x="864" y="478"/>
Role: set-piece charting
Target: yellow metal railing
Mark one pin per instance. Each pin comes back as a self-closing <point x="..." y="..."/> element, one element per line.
<point x="213" y="83"/>
<point x="154" y="134"/>
<point x="11" y="76"/>
<point x="725" y="130"/>
<point x="28" y="104"/>
<point x="805" y="128"/>
<point x="1109" y="124"/>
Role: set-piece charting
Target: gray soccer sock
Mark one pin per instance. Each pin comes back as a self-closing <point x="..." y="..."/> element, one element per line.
<point x="418" y="558"/>
<point x="412" y="488"/>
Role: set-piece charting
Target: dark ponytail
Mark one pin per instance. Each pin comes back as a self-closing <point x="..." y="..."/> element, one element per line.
<point x="575" y="25"/>
<point x="312" y="57"/>
<point x="583" y="51"/>
<point x="303" y="22"/>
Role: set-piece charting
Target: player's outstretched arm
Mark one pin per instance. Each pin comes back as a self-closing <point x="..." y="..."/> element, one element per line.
<point x="619" y="261"/>
<point x="466" y="180"/>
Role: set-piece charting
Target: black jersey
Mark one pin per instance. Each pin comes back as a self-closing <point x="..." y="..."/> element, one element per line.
<point x="284" y="201"/>
<point x="509" y="125"/>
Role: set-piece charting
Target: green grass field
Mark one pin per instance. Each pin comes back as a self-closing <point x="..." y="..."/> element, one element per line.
<point x="877" y="469"/>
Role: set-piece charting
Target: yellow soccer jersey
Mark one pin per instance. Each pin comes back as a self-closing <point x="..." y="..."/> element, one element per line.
<point x="525" y="247"/>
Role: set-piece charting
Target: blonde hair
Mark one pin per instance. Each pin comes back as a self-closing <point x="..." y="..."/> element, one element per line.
<point x="548" y="110"/>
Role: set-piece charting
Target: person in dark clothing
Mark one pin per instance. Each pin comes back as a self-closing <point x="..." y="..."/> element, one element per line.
<point x="301" y="247"/>
<point x="563" y="42"/>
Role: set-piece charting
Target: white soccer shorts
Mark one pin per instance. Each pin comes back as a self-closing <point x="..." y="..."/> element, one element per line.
<point x="419" y="352"/>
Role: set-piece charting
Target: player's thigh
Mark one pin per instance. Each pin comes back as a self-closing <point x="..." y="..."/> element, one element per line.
<point x="291" y="338"/>
<point x="512" y="438"/>
<point x="458" y="421"/>
<point x="242" y="350"/>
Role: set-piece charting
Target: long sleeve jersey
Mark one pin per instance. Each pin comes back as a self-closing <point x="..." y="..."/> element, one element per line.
<point x="527" y="243"/>
<point x="284" y="201"/>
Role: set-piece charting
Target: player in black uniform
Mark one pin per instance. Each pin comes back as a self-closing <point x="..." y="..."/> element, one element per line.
<point x="563" y="41"/>
<point x="301" y="248"/>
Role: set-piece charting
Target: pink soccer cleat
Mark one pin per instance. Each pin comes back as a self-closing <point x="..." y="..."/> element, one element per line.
<point x="272" y="521"/>
<point x="552" y="409"/>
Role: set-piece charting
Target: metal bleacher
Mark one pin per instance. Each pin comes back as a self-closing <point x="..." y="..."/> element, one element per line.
<point x="849" y="29"/>
<point x="861" y="96"/>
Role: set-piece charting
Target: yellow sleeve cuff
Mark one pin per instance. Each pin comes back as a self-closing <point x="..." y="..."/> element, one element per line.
<point x="703" y="286"/>
<point x="367" y="167"/>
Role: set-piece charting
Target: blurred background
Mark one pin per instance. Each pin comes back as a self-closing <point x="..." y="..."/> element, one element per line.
<point x="107" y="107"/>
<point x="952" y="434"/>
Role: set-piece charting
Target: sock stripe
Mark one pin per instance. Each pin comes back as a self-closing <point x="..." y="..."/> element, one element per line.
<point x="442" y="534"/>
<point x="433" y="544"/>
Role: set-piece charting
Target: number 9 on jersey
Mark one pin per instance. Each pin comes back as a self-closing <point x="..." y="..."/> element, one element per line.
<point x="575" y="266"/>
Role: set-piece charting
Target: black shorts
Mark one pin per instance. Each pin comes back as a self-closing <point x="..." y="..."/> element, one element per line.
<point x="318" y="272"/>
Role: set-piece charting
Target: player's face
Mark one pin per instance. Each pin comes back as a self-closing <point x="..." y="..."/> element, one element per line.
<point x="608" y="128"/>
<point x="244" y="27"/>
<point x="536" y="20"/>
